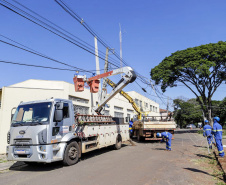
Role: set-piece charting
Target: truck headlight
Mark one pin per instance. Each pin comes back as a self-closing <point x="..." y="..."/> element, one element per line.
<point x="8" y="137"/>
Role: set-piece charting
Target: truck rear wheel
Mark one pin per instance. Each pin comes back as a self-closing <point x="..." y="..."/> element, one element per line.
<point x="118" y="143"/>
<point x="71" y="154"/>
<point x="139" y="138"/>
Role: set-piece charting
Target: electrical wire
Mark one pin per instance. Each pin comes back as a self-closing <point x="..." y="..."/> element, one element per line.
<point x="31" y="65"/>
<point x="49" y="28"/>
<point x="44" y="56"/>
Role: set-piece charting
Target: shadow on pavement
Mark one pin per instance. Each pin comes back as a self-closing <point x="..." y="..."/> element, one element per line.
<point x="200" y="171"/>
<point x="97" y="152"/>
<point x="34" y="167"/>
<point x="196" y="170"/>
<point x="158" y="149"/>
<point x="205" y="156"/>
<point x="199" y="146"/>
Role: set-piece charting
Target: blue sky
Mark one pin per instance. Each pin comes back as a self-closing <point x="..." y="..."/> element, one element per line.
<point x="151" y="29"/>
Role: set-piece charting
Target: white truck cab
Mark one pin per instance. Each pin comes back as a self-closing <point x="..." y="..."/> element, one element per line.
<point x="47" y="131"/>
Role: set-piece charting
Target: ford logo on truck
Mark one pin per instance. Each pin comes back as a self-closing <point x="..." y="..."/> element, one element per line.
<point x="22" y="132"/>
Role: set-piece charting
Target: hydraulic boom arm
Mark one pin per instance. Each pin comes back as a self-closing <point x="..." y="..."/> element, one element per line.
<point x="128" y="77"/>
<point x="128" y="97"/>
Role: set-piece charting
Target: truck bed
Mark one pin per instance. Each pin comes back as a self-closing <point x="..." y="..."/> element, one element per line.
<point x="155" y="125"/>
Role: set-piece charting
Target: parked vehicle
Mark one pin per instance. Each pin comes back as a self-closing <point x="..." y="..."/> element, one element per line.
<point x="191" y="126"/>
<point x="49" y="130"/>
<point x="148" y="127"/>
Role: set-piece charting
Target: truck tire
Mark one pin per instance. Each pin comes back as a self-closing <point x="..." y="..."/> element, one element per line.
<point x="139" y="138"/>
<point x="118" y="143"/>
<point x="71" y="154"/>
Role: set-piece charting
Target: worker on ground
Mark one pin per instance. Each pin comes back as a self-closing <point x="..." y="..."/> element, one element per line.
<point x="131" y="128"/>
<point x="166" y="136"/>
<point x="207" y="129"/>
<point x="217" y="132"/>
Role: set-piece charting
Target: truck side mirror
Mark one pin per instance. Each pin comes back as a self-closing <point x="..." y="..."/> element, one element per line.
<point x="59" y="105"/>
<point x="58" y="115"/>
<point x="13" y="110"/>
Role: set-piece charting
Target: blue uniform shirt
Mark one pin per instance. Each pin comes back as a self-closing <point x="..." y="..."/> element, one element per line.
<point x="166" y="135"/>
<point x="207" y="129"/>
<point x="217" y="130"/>
<point x="131" y="126"/>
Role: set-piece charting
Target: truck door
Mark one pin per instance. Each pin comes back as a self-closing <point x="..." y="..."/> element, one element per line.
<point x="60" y="129"/>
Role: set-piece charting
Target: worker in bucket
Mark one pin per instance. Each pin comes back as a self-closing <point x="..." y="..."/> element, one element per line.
<point x="207" y="132"/>
<point x="167" y="137"/>
<point x="217" y="132"/>
<point x="131" y="128"/>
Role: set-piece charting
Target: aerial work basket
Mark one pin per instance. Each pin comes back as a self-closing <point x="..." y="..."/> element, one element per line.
<point x="94" y="86"/>
<point x="79" y="84"/>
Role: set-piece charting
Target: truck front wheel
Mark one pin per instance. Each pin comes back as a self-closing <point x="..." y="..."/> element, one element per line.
<point x="71" y="154"/>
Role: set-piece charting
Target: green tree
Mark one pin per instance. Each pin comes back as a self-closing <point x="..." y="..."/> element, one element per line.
<point x="201" y="69"/>
<point x="187" y="112"/>
<point x="221" y="111"/>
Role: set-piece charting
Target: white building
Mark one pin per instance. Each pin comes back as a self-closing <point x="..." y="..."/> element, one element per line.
<point x="31" y="90"/>
<point x="146" y="105"/>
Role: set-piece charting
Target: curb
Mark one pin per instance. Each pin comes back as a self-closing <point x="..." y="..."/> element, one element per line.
<point x="221" y="162"/>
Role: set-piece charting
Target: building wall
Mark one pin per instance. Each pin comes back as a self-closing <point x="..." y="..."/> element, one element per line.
<point x="12" y="96"/>
<point x="31" y="90"/>
<point x="146" y="105"/>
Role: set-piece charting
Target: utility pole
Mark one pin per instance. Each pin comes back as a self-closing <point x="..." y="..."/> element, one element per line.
<point x="97" y="72"/>
<point x="104" y="89"/>
<point x="167" y="108"/>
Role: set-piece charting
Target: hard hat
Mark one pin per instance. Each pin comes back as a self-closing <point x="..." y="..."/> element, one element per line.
<point x="206" y="121"/>
<point x="216" y="118"/>
<point x="158" y="134"/>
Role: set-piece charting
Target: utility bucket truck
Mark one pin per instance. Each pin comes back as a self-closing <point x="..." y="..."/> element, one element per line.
<point x="49" y="130"/>
<point x="146" y="127"/>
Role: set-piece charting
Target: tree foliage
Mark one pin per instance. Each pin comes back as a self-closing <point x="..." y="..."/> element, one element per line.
<point x="187" y="112"/>
<point x="201" y="69"/>
<point x="220" y="110"/>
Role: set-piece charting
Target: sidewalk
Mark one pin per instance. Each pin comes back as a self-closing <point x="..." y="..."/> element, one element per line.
<point x="4" y="164"/>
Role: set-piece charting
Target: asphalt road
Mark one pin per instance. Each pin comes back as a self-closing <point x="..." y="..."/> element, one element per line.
<point x="145" y="163"/>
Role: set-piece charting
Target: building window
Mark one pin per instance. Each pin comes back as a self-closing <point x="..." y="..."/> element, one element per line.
<point x="118" y="108"/>
<point x="81" y="109"/>
<point x="0" y="104"/>
<point x="106" y="113"/>
<point x="127" y="118"/>
<point x="146" y="105"/>
<point x="141" y="106"/>
<point x="80" y="100"/>
<point x="129" y="111"/>
<point x="137" y="102"/>
<point x="150" y="107"/>
<point x="119" y="114"/>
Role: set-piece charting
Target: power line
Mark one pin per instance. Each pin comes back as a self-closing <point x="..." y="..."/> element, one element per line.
<point x="65" y="7"/>
<point x="31" y="65"/>
<point x="44" y="56"/>
<point x="50" y="28"/>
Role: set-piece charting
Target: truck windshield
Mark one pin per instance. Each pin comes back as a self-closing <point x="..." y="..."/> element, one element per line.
<point x="32" y="114"/>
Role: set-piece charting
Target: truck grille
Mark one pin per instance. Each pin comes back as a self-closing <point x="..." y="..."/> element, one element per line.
<point x="22" y="142"/>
